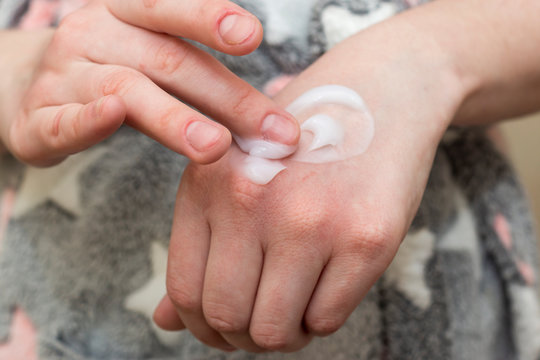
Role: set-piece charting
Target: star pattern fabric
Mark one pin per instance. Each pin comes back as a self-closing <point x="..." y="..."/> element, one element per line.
<point x="462" y="236"/>
<point x="145" y="299"/>
<point x="59" y="184"/>
<point x="101" y="289"/>
<point x="339" y="23"/>
<point x="406" y="271"/>
<point x="503" y="230"/>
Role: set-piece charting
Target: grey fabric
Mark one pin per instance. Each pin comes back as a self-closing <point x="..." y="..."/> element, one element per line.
<point x="456" y="290"/>
<point x="11" y="11"/>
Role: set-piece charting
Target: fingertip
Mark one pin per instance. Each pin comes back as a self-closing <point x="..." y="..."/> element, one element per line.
<point x="166" y="317"/>
<point x="282" y="128"/>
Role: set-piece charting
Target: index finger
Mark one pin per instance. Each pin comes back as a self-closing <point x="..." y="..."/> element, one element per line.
<point x="219" y="24"/>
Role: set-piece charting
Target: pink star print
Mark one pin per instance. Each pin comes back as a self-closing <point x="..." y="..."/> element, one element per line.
<point x="504" y="231"/>
<point x="527" y="272"/>
<point x="502" y="227"/>
<point x="21" y="344"/>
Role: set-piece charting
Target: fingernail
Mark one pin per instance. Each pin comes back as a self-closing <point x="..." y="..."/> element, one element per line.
<point x="279" y="129"/>
<point x="202" y="136"/>
<point x="235" y="29"/>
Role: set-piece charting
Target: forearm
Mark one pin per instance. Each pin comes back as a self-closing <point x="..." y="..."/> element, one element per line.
<point x="20" y="55"/>
<point x="493" y="46"/>
<point x="405" y="77"/>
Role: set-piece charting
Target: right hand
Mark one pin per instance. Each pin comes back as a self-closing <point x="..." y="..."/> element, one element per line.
<point x="110" y="62"/>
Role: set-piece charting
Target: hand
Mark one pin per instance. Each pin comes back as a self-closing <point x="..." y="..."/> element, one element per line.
<point x="112" y="60"/>
<point x="269" y="267"/>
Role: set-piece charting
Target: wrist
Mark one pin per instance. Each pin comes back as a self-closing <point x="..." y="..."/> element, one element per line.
<point x="443" y="75"/>
<point x="406" y="78"/>
<point x="492" y="54"/>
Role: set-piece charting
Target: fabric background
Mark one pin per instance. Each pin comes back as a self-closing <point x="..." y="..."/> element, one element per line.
<point x="83" y="244"/>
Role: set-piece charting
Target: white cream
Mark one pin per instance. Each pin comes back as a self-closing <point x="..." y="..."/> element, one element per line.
<point x="326" y="131"/>
<point x="336" y="126"/>
<point x="326" y="94"/>
<point x="259" y="170"/>
<point x="263" y="148"/>
<point x="258" y="160"/>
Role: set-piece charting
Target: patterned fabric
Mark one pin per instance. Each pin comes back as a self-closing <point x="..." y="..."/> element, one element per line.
<point x="83" y="244"/>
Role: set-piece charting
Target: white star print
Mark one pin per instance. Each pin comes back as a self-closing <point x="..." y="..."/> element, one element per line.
<point x="58" y="183"/>
<point x="340" y="23"/>
<point x="146" y="299"/>
<point x="407" y="270"/>
<point x="462" y="236"/>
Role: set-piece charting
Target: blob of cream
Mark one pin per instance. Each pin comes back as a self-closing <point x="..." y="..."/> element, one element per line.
<point x="336" y="126"/>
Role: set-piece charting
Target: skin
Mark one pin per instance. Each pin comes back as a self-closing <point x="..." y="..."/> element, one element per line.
<point x="267" y="268"/>
<point x="250" y="267"/>
<point x="112" y="62"/>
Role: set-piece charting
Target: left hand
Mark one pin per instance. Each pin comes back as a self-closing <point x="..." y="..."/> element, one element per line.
<point x="111" y="62"/>
<point x="268" y="267"/>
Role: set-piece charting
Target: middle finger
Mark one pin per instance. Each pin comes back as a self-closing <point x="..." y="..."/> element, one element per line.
<point x="197" y="78"/>
<point x="230" y="284"/>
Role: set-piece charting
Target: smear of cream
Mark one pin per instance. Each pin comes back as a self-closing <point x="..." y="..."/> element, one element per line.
<point x="335" y="124"/>
<point x="326" y="131"/>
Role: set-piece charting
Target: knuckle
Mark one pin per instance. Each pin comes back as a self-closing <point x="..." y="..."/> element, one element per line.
<point x="170" y="118"/>
<point x="243" y="100"/>
<point x="222" y="318"/>
<point x="76" y="131"/>
<point x="323" y="325"/>
<point x="269" y="338"/>
<point x="119" y="82"/>
<point x="371" y="242"/>
<point x="183" y="299"/>
<point x="246" y="195"/>
<point x="52" y="129"/>
<point x="307" y="216"/>
<point x="167" y="56"/>
<point x="309" y="223"/>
